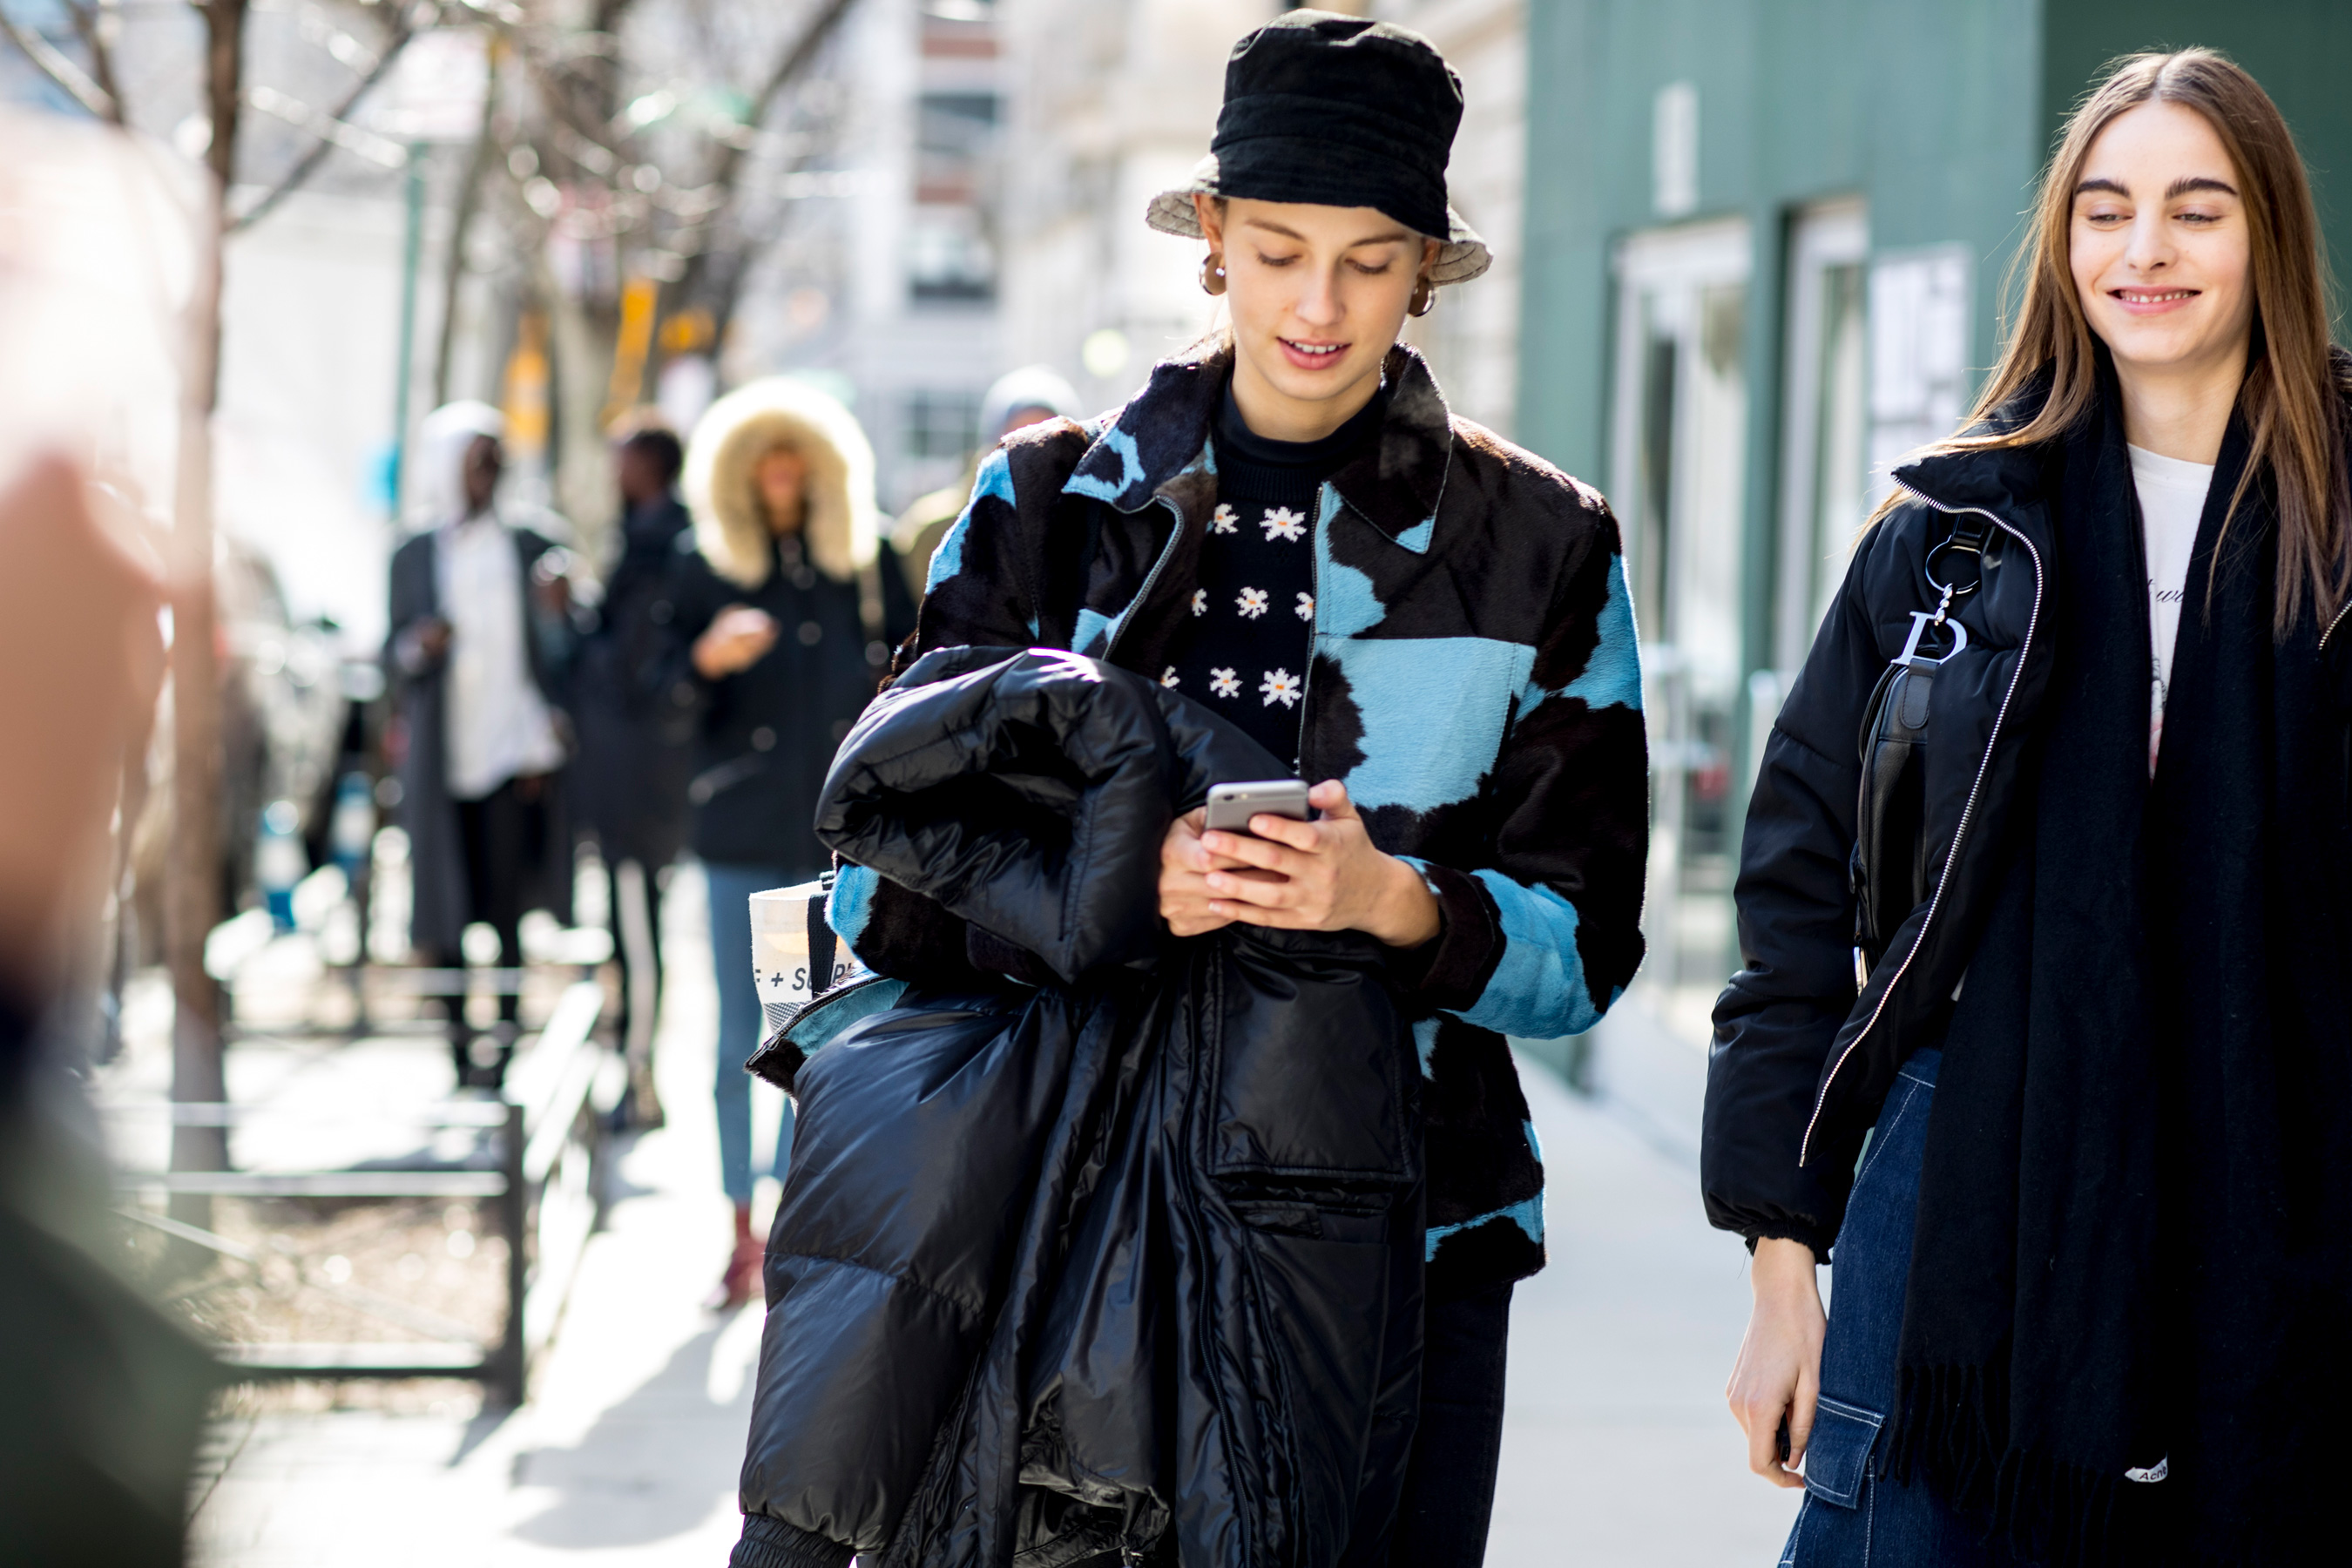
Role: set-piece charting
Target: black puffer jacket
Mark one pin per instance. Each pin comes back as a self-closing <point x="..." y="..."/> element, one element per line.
<point x="1124" y="1268"/>
<point x="1802" y="1060"/>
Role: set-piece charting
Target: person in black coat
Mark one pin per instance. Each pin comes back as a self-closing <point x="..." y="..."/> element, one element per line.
<point x="635" y="746"/>
<point x="782" y="611"/>
<point x="481" y="641"/>
<point x="2039" y="1034"/>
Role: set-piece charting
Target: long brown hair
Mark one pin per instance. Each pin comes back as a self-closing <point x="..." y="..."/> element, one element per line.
<point x="2292" y="397"/>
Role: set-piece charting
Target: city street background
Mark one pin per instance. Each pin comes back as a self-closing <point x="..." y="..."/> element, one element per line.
<point x="1748" y="253"/>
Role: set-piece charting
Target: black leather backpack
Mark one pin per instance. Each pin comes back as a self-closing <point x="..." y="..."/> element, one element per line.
<point x="1888" y="869"/>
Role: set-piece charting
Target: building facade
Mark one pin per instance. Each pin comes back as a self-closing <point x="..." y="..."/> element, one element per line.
<point x="1766" y="251"/>
<point x="1472" y="338"/>
<point x="887" y="285"/>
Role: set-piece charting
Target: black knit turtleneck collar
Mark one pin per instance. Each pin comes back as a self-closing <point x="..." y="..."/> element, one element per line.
<point x="1239" y="446"/>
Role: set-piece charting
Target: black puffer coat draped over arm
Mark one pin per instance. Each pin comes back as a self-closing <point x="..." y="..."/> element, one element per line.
<point x="1125" y="1267"/>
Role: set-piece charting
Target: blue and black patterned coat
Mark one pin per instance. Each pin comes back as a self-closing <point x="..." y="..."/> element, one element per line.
<point x="1474" y="684"/>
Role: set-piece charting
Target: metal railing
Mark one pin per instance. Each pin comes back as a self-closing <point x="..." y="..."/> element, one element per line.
<point x="546" y="1192"/>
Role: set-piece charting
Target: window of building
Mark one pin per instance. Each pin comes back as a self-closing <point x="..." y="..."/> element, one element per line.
<point x="951" y="252"/>
<point x="954" y="134"/>
<point x="1824" y="423"/>
<point x="1678" y="479"/>
<point x="942" y="423"/>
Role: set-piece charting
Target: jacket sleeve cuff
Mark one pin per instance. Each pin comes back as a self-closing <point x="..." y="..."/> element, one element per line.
<point x="772" y="1543"/>
<point x="1450" y="971"/>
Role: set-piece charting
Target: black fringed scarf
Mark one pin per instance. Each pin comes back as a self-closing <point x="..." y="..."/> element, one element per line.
<point x="2134" y="1254"/>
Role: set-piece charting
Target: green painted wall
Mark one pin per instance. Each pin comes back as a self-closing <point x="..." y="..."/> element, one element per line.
<point x="1928" y="109"/>
<point x="1938" y="112"/>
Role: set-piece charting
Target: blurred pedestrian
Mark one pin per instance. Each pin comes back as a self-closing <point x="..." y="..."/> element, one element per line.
<point x="1016" y="400"/>
<point x="480" y="639"/>
<point x="1288" y="527"/>
<point x="786" y="604"/>
<point x="2058" y="956"/>
<point x="634" y="756"/>
<point x="102" y="1399"/>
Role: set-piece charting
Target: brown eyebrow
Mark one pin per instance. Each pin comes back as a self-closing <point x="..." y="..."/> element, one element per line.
<point x="2188" y="182"/>
<point x="1397" y="236"/>
<point x="2179" y="187"/>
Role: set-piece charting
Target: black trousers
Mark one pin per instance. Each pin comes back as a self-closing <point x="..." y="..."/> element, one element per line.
<point x="1449" y="1483"/>
<point x="496" y="833"/>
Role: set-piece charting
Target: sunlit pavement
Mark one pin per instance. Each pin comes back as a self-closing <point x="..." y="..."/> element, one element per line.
<point x="1617" y="1449"/>
<point x="629" y="1445"/>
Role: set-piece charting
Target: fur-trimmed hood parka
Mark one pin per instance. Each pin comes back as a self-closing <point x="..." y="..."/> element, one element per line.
<point x="842" y="528"/>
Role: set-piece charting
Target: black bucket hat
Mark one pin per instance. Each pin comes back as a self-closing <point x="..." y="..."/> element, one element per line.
<point x="1337" y="111"/>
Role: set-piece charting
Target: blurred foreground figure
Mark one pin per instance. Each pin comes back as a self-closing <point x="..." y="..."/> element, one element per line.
<point x="630" y="786"/>
<point x="101" y="1398"/>
<point x="1018" y="399"/>
<point x="479" y="640"/>
<point x="785" y="605"/>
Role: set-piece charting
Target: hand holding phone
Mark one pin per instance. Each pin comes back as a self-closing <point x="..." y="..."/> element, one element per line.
<point x="1231" y="806"/>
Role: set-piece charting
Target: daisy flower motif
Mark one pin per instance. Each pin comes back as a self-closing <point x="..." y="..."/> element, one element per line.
<point x="1224" y="684"/>
<point x="1281" y="522"/>
<point x="1305" y="606"/>
<point x="1251" y="603"/>
<point x="1279" y="685"/>
<point x="1200" y="601"/>
<point x="1168" y="676"/>
<point x="1222" y="521"/>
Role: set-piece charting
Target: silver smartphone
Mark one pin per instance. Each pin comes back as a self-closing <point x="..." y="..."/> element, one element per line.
<point x="1231" y="806"/>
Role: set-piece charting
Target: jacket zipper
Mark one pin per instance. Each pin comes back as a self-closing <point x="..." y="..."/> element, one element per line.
<point x="2339" y="621"/>
<point x="1127" y="615"/>
<point x="1314" y="623"/>
<point x="1959" y="835"/>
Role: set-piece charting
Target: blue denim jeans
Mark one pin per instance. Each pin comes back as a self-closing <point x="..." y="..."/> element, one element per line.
<point x="740" y="1019"/>
<point x="1854" y="1515"/>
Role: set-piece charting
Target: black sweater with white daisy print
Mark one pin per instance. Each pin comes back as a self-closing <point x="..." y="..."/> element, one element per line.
<point x="1253" y="623"/>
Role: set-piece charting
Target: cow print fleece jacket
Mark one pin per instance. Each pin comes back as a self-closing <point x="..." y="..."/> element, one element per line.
<point x="1474" y="682"/>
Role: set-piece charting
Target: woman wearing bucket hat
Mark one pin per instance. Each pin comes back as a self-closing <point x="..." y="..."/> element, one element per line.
<point x="1287" y="526"/>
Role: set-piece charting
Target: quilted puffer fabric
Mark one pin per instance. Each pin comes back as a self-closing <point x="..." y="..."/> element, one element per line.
<point x="1122" y="1269"/>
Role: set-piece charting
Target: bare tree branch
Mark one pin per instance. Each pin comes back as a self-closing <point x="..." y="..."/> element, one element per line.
<point x="308" y="164"/>
<point x="461" y="224"/>
<point x="92" y="28"/>
<point x="726" y="175"/>
<point x="51" y="62"/>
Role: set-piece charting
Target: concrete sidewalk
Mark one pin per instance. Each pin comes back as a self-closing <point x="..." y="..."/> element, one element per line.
<point x="1617" y="1452"/>
<point x="630" y="1442"/>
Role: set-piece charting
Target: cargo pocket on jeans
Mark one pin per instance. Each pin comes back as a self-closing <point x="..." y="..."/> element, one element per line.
<point x="1837" y="1456"/>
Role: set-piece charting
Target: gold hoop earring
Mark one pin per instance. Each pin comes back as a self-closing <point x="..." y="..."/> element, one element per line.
<point x="1213" y="274"/>
<point x="1424" y="296"/>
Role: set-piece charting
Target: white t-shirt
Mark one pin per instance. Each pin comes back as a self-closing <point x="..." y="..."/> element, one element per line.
<point x="497" y="726"/>
<point x="2171" y="500"/>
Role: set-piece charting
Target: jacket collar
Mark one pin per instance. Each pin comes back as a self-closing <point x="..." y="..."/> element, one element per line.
<point x="2010" y="482"/>
<point x="1162" y="434"/>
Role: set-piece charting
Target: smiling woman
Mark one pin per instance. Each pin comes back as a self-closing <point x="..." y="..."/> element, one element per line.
<point x="2086" y="1308"/>
<point x="2175" y="228"/>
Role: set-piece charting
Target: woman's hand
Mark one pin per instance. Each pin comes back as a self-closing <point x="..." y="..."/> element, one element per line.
<point x="1304" y="876"/>
<point x="1185" y="868"/>
<point x="1778" y="1375"/>
<point x="738" y="637"/>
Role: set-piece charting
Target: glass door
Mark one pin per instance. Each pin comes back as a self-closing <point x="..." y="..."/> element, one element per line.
<point x="1678" y="471"/>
